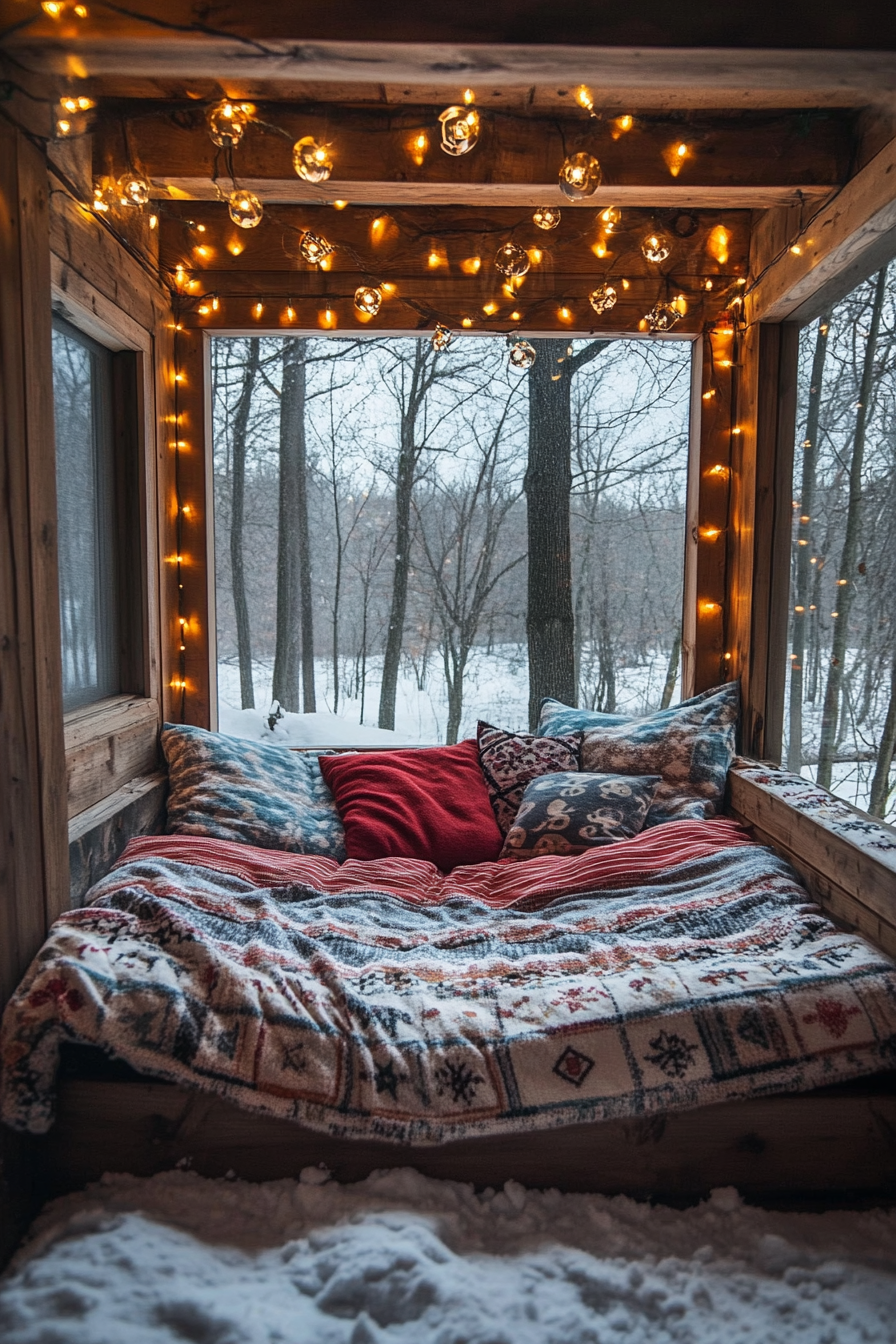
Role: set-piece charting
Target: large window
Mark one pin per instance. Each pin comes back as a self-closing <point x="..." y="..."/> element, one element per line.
<point x="88" y="594"/>
<point x="375" y="506"/>
<point x="840" y="707"/>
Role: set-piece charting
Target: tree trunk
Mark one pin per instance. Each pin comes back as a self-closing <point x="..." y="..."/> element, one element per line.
<point x="849" y="555"/>
<point x="550" y="622"/>
<point x="671" y="672"/>
<point x="880" y="784"/>
<point x="238" y="486"/>
<point x="295" y="616"/>
<point x="405" y="478"/>
<point x="799" y="615"/>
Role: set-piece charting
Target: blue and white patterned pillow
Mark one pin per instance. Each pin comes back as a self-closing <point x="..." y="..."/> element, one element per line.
<point x="690" y="745"/>
<point x="231" y="789"/>
<point x="569" y="812"/>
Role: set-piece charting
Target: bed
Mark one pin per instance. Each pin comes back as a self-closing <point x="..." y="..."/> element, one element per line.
<point x="652" y="1013"/>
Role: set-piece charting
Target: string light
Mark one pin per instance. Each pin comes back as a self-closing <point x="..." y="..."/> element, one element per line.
<point x="580" y="175"/>
<point x="441" y="338"/>
<point x="314" y="249"/>
<point x="327" y="319"/>
<point x="290" y="312"/>
<point x="418" y="147"/>
<point x="610" y="218"/>
<point x="675" y="157"/>
<point x="602" y="299"/>
<point x="245" y="209"/>
<point x="339" y="205"/>
<point x="710" y="533"/>
<point x="662" y="317"/>
<point x="466" y="322"/>
<point x="490" y="309"/>
<point x="153" y="221"/>
<point x="621" y="125"/>
<point x="368" y="299"/>
<point x="257" y="309"/>
<point x="710" y="608"/>
<point x="311" y="160"/>
<point x="63" y="126"/>
<point x="227" y="122"/>
<point x="460" y="130"/>
<point x="564" y="314"/>
<point x="512" y="260"/>
<point x="471" y="265"/>
<point x="522" y="355"/>
<point x="717" y="244"/>
<point x="656" y="247"/>
<point x="546" y="217"/>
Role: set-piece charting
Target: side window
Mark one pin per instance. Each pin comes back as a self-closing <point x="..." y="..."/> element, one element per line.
<point x="86" y="492"/>
<point x="840" y="703"/>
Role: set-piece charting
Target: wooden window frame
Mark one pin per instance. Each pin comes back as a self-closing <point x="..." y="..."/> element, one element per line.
<point x="112" y="741"/>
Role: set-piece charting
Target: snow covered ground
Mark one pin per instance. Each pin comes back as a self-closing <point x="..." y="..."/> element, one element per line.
<point x="496" y="689"/>
<point x="402" y="1259"/>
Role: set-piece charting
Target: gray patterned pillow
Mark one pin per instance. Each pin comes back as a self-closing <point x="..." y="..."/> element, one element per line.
<point x="509" y="760"/>
<point x="570" y="812"/>
<point x="691" y="745"/>
<point x="231" y="789"/>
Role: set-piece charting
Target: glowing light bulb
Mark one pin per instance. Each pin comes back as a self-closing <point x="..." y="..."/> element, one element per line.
<point x="466" y="322"/>
<point x="314" y="249"/>
<point x="153" y="221"/>
<point x="546" y="217"/>
<point x="63" y="127"/>
<point x="368" y="299"/>
<point x="656" y="247"/>
<point x="133" y="190"/>
<point x="580" y="175"/>
<point x="52" y="7"/>
<point x="312" y="160"/>
<point x="327" y="319"/>
<point x="710" y="608"/>
<point x="600" y="249"/>
<point x="490" y="309"/>
<point x="226" y="123"/>
<point x="610" y="218"/>
<point x="662" y="317"/>
<point x="798" y="252"/>
<point x="674" y="157"/>
<point x="257" y="309"/>
<point x="621" y="125"/>
<point x="460" y="130"/>
<point x="203" y="310"/>
<point x="469" y="97"/>
<point x="717" y="244"/>
<point x="584" y="98"/>
<point x="536" y="256"/>
<point x="626" y="284"/>
<point x="471" y="265"/>
<point x="512" y="260"/>
<point x="564" y="314"/>
<point x="602" y="299"/>
<point x="441" y="338"/>
<point x="216" y="303"/>
<point x="235" y="248"/>
<point x="245" y="209"/>
<point x="290" y="313"/>
<point x="522" y="355"/>
<point x="516" y="316"/>
<point x="710" y="533"/>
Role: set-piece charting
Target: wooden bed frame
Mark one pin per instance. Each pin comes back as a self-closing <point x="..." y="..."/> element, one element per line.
<point x="806" y="1149"/>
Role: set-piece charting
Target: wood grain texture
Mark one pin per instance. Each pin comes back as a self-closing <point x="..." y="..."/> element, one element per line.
<point x="107" y="744"/>
<point x="787" y="1145"/>
<point x="846" y="239"/>
<point x="740" y="537"/>
<point x="714" y="505"/>
<point x="423" y="46"/>
<point x="97" y="836"/>
<point x="33" y="856"/>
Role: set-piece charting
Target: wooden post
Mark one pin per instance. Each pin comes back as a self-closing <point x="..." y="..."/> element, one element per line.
<point x="33" y="813"/>
<point x="710" y="603"/>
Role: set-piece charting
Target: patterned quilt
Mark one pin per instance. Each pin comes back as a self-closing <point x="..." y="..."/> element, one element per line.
<point x="382" y="999"/>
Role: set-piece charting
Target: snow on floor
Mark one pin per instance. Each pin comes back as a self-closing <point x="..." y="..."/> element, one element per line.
<point x="403" y="1259"/>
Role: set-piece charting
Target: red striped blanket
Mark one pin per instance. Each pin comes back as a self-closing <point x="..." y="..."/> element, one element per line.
<point x="385" y="999"/>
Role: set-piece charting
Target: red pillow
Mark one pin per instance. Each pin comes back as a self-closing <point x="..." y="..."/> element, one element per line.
<point x="426" y="804"/>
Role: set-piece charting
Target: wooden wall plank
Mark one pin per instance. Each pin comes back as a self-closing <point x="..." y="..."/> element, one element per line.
<point x="107" y="744"/>
<point x="33" y="854"/>
<point x="98" y="836"/>
<point x="715" y="408"/>
<point x="741" y="527"/>
<point x="846" y="239"/>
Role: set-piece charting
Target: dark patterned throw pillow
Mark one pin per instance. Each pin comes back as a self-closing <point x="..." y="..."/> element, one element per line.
<point x="509" y="761"/>
<point x="570" y="812"/>
<point x="232" y="789"/>
<point x="691" y="745"/>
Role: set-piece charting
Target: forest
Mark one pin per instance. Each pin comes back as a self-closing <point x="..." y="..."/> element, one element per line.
<point x="840" y="719"/>
<point x="412" y="538"/>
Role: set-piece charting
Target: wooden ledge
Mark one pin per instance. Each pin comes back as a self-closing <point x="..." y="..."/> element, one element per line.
<point x="846" y="878"/>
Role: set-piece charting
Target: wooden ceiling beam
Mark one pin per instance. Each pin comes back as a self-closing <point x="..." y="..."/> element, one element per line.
<point x="716" y="76"/>
<point x="801" y="269"/>
<point x="752" y="162"/>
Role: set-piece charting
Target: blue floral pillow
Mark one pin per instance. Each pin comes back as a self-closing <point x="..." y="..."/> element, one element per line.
<point x="690" y="745"/>
<point x="569" y="812"/>
<point x="231" y="789"/>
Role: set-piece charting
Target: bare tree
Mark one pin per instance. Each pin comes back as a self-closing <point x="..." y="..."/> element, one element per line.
<point x="550" y="623"/>
<point x="846" y="579"/>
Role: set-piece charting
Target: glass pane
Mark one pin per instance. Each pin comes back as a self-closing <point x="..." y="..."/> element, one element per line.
<point x="86" y="519"/>
<point x="840" y="710"/>
<point x="363" y="487"/>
